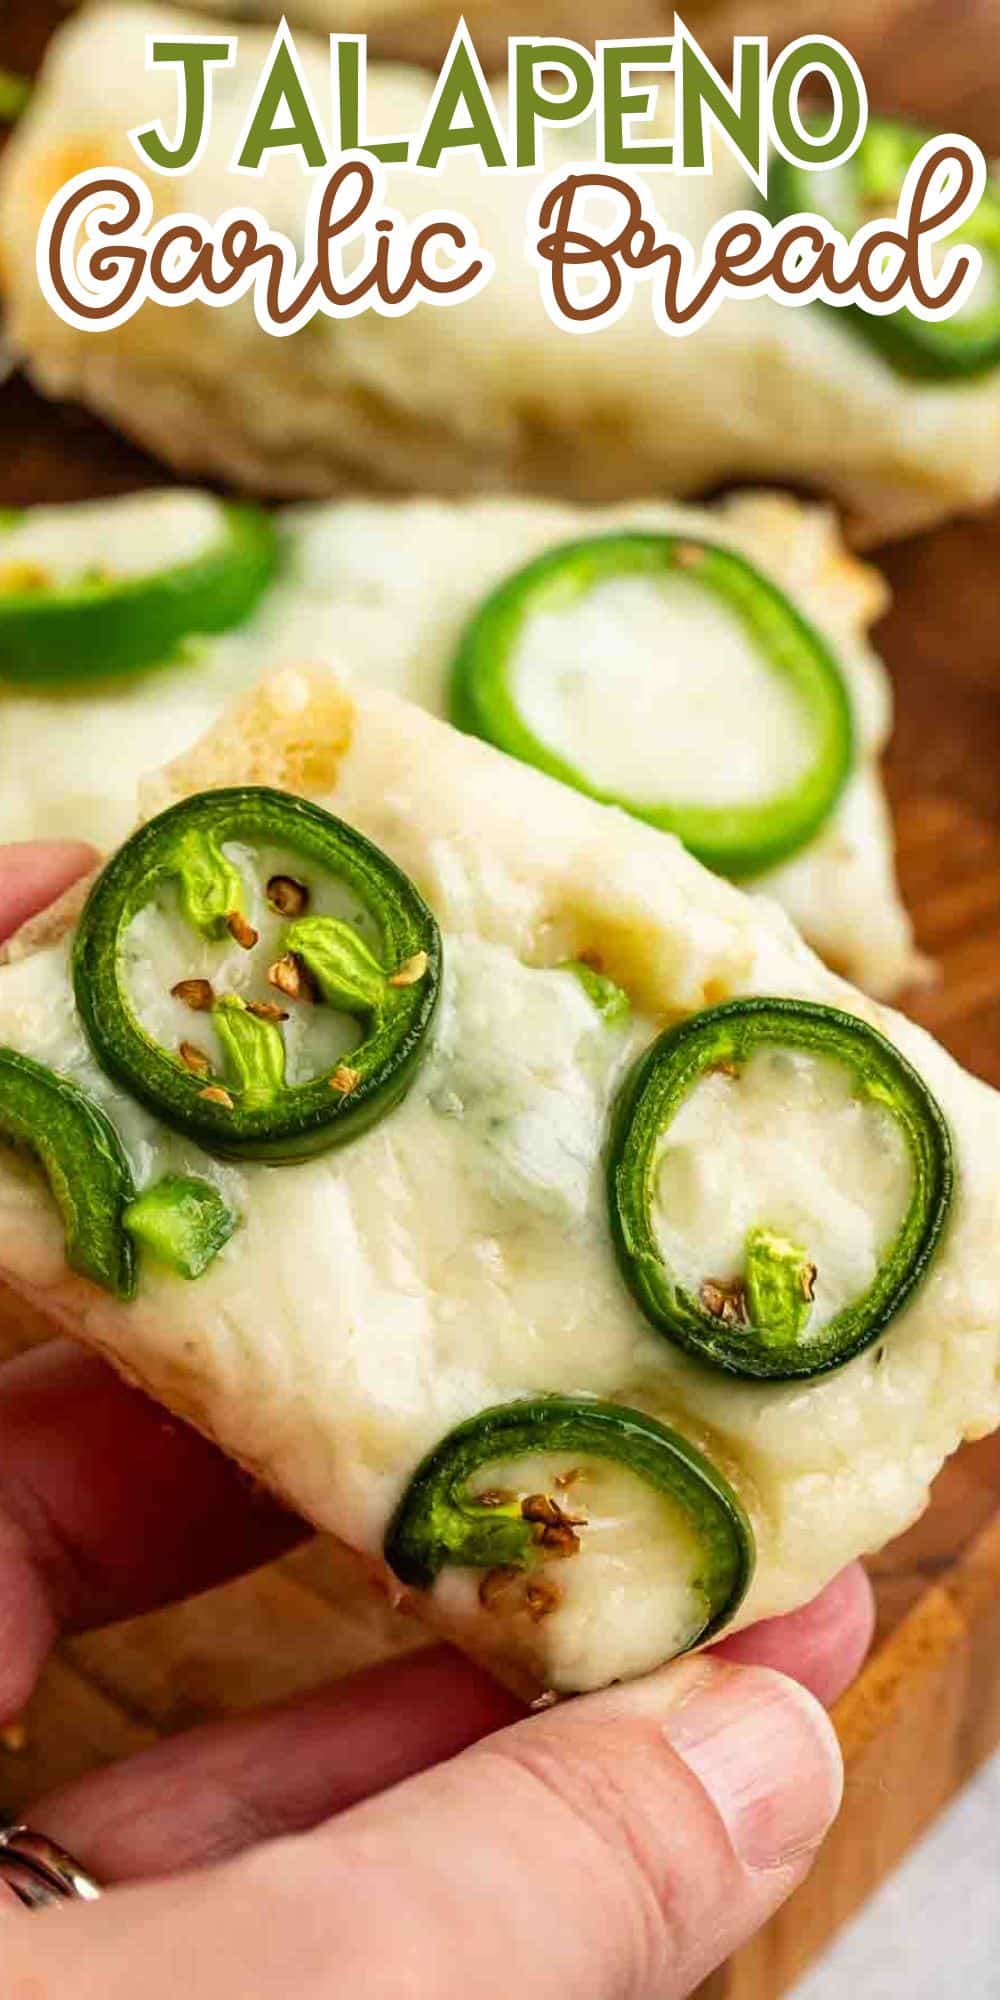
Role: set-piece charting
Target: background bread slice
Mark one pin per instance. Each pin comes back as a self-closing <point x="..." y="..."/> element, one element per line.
<point x="488" y="395"/>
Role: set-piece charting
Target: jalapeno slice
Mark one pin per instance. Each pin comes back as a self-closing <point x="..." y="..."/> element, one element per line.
<point x="740" y="838"/>
<point x="868" y="186"/>
<point x="445" y="1520"/>
<point x="182" y="1221"/>
<point x="756" y="1322"/>
<point x="96" y="624"/>
<point x="83" y="1160"/>
<point x="608" y="999"/>
<point x="242" y="1101"/>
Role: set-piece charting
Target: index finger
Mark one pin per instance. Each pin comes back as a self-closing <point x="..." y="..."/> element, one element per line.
<point x="108" y="1507"/>
<point x="33" y="873"/>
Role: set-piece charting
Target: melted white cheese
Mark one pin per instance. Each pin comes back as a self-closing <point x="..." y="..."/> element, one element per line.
<point x="745" y="1151"/>
<point x="629" y="1595"/>
<point x="466" y="1242"/>
<point x="654" y="692"/>
<point x="100" y="736"/>
<point x="113" y="540"/>
<point x="443" y="1236"/>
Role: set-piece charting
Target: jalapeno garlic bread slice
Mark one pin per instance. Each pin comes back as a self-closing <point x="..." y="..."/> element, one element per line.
<point x="490" y="393"/>
<point x="707" y="669"/>
<point x="520" y="1201"/>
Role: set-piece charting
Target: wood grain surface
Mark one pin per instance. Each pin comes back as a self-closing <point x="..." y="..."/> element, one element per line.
<point x="927" y="1708"/>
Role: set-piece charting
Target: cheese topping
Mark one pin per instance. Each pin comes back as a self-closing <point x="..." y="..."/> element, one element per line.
<point x="466" y="1241"/>
<point x="443" y="1233"/>
<point x="653" y="691"/>
<point x="101" y="541"/>
<point x="745" y="1151"/>
<point x="627" y="1597"/>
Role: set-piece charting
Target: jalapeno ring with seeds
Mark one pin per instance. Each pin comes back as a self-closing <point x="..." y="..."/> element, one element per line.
<point x="244" y="1106"/>
<point x="756" y="1325"/>
<point x="439" y="1523"/>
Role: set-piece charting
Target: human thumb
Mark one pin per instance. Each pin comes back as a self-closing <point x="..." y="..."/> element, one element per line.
<point x="620" y="1845"/>
<point x="617" y="1847"/>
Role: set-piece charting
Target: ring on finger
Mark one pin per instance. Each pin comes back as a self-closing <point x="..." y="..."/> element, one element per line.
<point x="41" y="1874"/>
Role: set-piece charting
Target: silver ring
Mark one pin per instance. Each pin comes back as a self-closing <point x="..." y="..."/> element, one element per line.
<point x="41" y="1874"/>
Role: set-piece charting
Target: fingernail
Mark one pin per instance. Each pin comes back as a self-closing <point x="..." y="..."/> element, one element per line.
<point x="766" y="1754"/>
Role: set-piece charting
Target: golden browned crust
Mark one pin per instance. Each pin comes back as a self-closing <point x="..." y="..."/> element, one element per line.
<point x="258" y="742"/>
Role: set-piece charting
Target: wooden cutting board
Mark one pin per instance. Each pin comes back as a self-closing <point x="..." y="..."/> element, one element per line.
<point x="926" y="1710"/>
